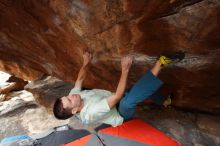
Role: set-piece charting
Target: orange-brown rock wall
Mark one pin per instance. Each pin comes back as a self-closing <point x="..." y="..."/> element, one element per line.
<point x="49" y="36"/>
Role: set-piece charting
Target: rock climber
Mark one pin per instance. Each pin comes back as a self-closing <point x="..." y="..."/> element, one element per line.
<point x="102" y="106"/>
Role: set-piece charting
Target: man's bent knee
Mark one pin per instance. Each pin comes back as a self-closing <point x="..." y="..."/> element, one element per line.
<point x="126" y="110"/>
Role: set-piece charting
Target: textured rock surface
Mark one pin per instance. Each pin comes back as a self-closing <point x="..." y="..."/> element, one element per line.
<point x="27" y="120"/>
<point x="20" y="99"/>
<point x="19" y="70"/>
<point x="14" y="84"/>
<point x="49" y="37"/>
<point x="209" y="123"/>
<point x="47" y="90"/>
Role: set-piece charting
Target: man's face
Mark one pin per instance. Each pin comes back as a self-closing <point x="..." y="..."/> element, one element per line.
<point x="71" y="102"/>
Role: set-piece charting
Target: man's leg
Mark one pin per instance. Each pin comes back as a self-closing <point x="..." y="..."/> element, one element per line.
<point x="157" y="98"/>
<point x="163" y="96"/>
<point x="143" y="89"/>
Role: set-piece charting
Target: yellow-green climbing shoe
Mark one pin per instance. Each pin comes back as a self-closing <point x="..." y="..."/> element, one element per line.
<point x="171" y="58"/>
<point x="164" y="60"/>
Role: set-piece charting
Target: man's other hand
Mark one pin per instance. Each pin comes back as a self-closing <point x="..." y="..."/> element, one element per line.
<point x="126" y="63"/>
<point x="87" y="57"/>
<point x="125" y="67"/>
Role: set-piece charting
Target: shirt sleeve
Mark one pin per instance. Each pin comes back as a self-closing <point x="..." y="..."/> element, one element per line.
<point x="75" y="90"/>
<point x="98" y="112"/>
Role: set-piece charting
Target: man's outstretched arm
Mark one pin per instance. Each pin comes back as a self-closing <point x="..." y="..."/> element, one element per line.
<point x="87" y="57"/>
<point x="125" y="67"/>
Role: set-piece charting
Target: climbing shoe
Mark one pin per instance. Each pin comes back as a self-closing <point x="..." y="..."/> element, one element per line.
<point x="172" y="58"/>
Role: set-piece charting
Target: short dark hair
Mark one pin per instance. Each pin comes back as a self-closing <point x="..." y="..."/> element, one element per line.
<point x="60" y="112"/>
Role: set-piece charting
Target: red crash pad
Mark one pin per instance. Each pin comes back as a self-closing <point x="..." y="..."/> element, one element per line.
<point x="137" y="130"/>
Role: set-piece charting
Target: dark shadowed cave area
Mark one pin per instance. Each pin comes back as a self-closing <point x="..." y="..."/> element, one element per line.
<point x="42" y="41"/>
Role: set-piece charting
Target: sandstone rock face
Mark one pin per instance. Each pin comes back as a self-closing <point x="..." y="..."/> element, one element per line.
<point x="14" y="84"/>
<point x="20" y="99"/>
<point x="49" y="37"/>
<point x="209" y="123"/>
<point x="19" y="70"/>
<point x="47" y="89"/>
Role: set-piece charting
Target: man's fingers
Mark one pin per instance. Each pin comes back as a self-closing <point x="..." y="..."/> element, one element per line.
<point x="126" y="62"/>
<point x="87" y="51"/>
<point x="87" y="54"/>
<point x="128" y="57"/>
